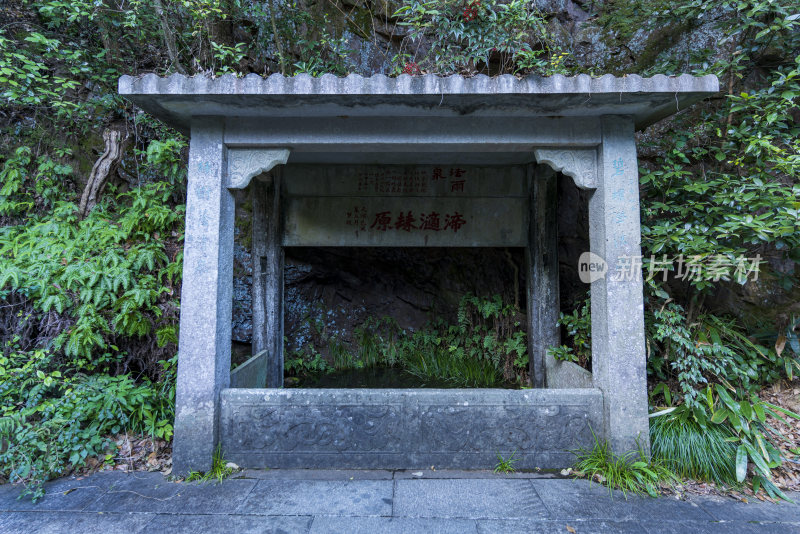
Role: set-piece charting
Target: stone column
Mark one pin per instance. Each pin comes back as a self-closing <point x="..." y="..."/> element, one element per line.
<point x="268" y="275"/>
<point x="206" y="298"/>
<point x="618" y="345"/>
<point x="541" y="260"/>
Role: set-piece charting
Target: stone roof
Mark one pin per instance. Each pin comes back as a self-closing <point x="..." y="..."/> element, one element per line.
<point x="177" y="98"/>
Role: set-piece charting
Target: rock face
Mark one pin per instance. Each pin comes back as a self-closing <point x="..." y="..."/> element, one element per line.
<point x="329" y="291"/>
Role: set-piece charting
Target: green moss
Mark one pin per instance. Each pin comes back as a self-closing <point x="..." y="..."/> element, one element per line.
<point x="244" y="223"/>
<point x="626" y="17"/>
<point x="360" y="22"/>
<point x="660" y="40"/>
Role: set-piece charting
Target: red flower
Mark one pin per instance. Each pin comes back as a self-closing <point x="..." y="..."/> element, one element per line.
<point x="471" y="10"/>
<point x="411" y="68"/>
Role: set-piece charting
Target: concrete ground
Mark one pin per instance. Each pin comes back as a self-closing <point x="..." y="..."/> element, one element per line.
<point x="372" y="502"/>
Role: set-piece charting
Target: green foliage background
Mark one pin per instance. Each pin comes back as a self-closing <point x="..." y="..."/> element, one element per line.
<point x="89" y="307"/>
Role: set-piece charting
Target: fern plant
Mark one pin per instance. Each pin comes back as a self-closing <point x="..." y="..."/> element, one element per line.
<point x="112" y="278"/>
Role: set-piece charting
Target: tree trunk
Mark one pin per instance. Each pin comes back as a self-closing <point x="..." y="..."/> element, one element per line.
<point x="103" y="168"/>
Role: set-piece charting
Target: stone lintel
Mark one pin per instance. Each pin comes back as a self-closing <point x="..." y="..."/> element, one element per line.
<point x="415" y="134"/>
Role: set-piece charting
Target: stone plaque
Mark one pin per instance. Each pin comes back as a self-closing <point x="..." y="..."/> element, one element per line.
<point x="408" y="206"/>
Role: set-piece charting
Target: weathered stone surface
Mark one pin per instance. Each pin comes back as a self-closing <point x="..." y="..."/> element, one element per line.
<point x="316" y="474"/>
<point x="153" y="493"/>
<point x="566" y="375"/>
<point x="268" y="281"/>
<point x="66" y="494"/>
<point x="392" y="139"/>
<point x="579" y="164"/>
<point x="325" y="501"/>
<point x="595" y="501"/>
<point x="678" y="526"/>
<point x="344" y="428"/>
<point x="419" y="120"/>
<point x="451" y="206"/>
<point x="527" y="526"/>
<point x="391" y="525"/>
<point x="468" y="498"/>
<point x="447" y="181"/>
<point x="42" y="522"/>
<point x="229" y="524"/>
<point x="206" y="300"/>
<point x="406" y="222"/>
<point x="177" y="97"/>
<point x="252" y="373"/>
<point x="541" y="259"/>
<point x="618" y="345"/>
<point x="320" y="498"/>
<point x="246" y="163"/>
<point x="724" y="509"/>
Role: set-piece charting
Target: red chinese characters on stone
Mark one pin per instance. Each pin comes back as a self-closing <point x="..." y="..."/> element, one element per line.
<point x="406" y="221"/>
<point x="382" y="221"/>
<point x="430" y="222"/>
<point x="454" y="221"/>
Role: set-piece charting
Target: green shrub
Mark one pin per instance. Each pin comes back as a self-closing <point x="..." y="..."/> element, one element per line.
<point x="578" y="325"/>
<point x="474" y="35"/>
<point x="710" y="372"/>
<point x="51" y="423"/>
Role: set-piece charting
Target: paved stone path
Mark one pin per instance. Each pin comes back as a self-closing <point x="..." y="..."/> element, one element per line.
<point x="372" y="502"/>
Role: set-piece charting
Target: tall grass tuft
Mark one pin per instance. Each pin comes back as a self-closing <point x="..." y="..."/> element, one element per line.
<point x="692" y="451"/>
<point x="625" y="472"/>
<point x="438" y="363"/>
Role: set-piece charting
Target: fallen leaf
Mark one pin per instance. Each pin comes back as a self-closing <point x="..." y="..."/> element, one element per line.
<point x="780" y="344"/>
<point x="570" y="529"/>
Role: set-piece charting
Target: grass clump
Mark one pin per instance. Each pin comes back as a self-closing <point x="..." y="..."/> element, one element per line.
<point x="506" y="465"/>
<point x="631" y="472"/>
<point x="692" y="451"/>
<point x="219" y="469"/>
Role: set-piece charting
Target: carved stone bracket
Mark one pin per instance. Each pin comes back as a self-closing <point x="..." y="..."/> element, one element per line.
<point x="245" y="163"/>
<point x="578" y="163"/>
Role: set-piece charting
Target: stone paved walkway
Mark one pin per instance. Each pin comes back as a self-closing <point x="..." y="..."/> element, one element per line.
<point x="372" y="502"/>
